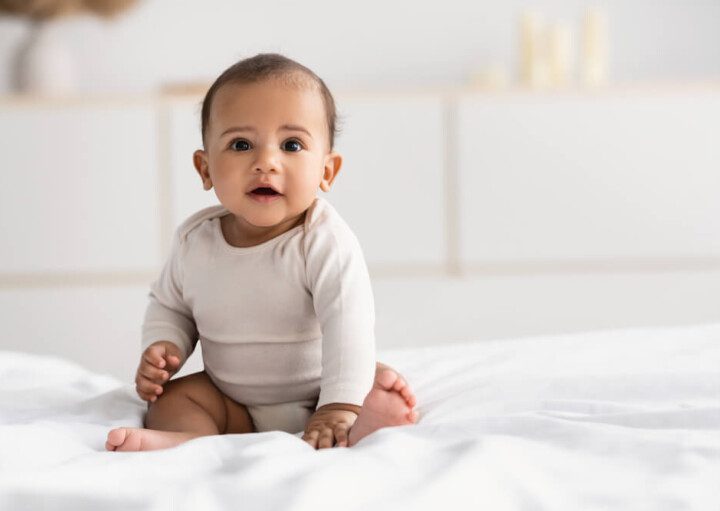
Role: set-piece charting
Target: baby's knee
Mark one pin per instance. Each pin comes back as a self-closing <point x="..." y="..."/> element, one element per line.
<point x="196" y="385"/>
<point x="191" y="382"/>
<point x="197" y="388"/>
<point x="194" y="392"/>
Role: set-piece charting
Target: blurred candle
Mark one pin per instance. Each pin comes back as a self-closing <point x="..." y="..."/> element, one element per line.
<point x="559" y="54"/>
<point x="595" y="48"/>
<point x="533" y="62"/>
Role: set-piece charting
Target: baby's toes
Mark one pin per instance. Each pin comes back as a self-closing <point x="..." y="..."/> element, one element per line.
<point x="399" y="384"/>
<point x="386" y="379"/>
<point x="115" y="438"/>
<point x="401" y="387"/>
<point x="413" y="416"/>
<point x="408" y="396"/>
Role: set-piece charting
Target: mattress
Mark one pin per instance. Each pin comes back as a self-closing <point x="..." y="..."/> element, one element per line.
<point x="616" y="419"/>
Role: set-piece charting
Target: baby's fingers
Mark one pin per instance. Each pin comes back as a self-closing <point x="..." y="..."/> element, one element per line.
<point x="319" y="438"/>
<point x="173" y="361"/>
<point x="326" y="438"/>
<point x="153" y="374"/>
<point x="154" y="356"/>
<point x="341" y="435"/>
<point x="146" y="389"/>
<point x="311" y="437"/>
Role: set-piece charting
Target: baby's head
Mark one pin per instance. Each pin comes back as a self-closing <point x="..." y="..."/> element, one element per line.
<point x="268" y="130"/>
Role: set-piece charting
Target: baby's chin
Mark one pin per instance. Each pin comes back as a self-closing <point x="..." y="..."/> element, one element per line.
<point x="264" y="221"/>
<point x="268" y="219"/>
<point x="266" y="216"/>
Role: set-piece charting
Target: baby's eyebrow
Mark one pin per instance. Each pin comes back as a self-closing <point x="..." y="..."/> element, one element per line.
<point x="237" y="128"/>
<point x="287" y="127"/>
<point x="293" y="127"/>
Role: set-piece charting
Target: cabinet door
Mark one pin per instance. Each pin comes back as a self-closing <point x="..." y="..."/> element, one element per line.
<point x="184" y="137"/>
<point x="79" y="189"/>
<point x="603" y="177"/>
<point x="391" y="189"/>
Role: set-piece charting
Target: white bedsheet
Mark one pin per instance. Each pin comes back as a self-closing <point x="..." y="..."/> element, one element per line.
<point x="626" y="419"/>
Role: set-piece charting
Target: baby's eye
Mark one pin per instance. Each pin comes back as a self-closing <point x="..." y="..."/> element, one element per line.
<point x="292" y="145"/>
<point x="240" y="145"/>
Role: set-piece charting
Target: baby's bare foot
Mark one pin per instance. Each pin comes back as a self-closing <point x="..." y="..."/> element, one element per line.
<point x="139" y="439"/>
<point x="389" y="403"/>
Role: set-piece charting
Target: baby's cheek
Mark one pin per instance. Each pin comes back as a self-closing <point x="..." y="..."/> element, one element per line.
<point x="302" y="193"/>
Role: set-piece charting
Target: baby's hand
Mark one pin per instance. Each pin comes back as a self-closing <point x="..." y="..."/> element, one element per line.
<point x="329" y="425"/>
<point x="159" y="362"/>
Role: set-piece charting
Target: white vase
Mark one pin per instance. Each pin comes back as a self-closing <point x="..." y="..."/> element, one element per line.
<point x="44" y="64"/>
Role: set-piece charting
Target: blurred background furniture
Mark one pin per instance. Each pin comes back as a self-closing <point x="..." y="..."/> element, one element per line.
<point x="482" y="215"/>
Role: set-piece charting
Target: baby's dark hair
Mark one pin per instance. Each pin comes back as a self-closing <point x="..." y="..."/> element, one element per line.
<point x="266" y="66"/>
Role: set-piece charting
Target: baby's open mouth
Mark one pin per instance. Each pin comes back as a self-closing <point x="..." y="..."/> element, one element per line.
<point x="264" y="191"/>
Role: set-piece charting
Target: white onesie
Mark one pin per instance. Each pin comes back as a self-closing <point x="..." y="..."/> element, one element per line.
<point x="284" y="323"/>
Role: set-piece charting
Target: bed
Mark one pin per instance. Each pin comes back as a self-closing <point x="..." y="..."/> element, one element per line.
<point x="618" y="419"/>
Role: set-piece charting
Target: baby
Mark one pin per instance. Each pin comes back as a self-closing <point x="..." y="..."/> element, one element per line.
<point x="272" y="281"/>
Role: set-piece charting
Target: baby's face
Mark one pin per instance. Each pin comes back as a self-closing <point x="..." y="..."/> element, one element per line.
<point x="264" y="136"/>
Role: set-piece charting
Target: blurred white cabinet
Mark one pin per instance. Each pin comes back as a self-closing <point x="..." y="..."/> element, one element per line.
<point x="98" y="327"/>
<point x="589" y="177"/>
<point x="79" y="187"/>
<point x="98" y="186"/>
<point x="391" y="188"/>
<point x="182" y="121"/>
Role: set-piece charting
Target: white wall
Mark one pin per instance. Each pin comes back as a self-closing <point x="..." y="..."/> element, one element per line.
<point x="374" y="43"/>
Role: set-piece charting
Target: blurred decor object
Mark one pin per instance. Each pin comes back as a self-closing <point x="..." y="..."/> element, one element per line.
<point x="547" y="54"/>
<point x="533" y="61"/>
<point x="595" y="48"/>
<point x="559" y="54"/>
<point x="43" y="64"/>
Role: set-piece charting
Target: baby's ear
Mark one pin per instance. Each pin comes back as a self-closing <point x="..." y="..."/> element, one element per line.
<point x="333" y="162"/>
<point x="201" y="165"/>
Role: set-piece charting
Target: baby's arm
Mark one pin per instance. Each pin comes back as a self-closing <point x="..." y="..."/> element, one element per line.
<point x="167" y="317"/>
<point x="342" y="297"/>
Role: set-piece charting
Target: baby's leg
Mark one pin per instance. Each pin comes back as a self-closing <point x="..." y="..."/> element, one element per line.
<point x="188" y="408"/>
<point x="389" y="403"/>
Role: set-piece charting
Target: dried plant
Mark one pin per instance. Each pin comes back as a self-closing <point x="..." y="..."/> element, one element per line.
<point x="46" y="9"/>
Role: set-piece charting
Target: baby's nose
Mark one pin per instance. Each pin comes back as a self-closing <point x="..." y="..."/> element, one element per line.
<point x="266" y="161"/>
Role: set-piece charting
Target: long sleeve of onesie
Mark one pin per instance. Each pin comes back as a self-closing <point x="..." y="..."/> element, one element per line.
<point x="168" y="317"/>
<point x="343" y="301"/>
